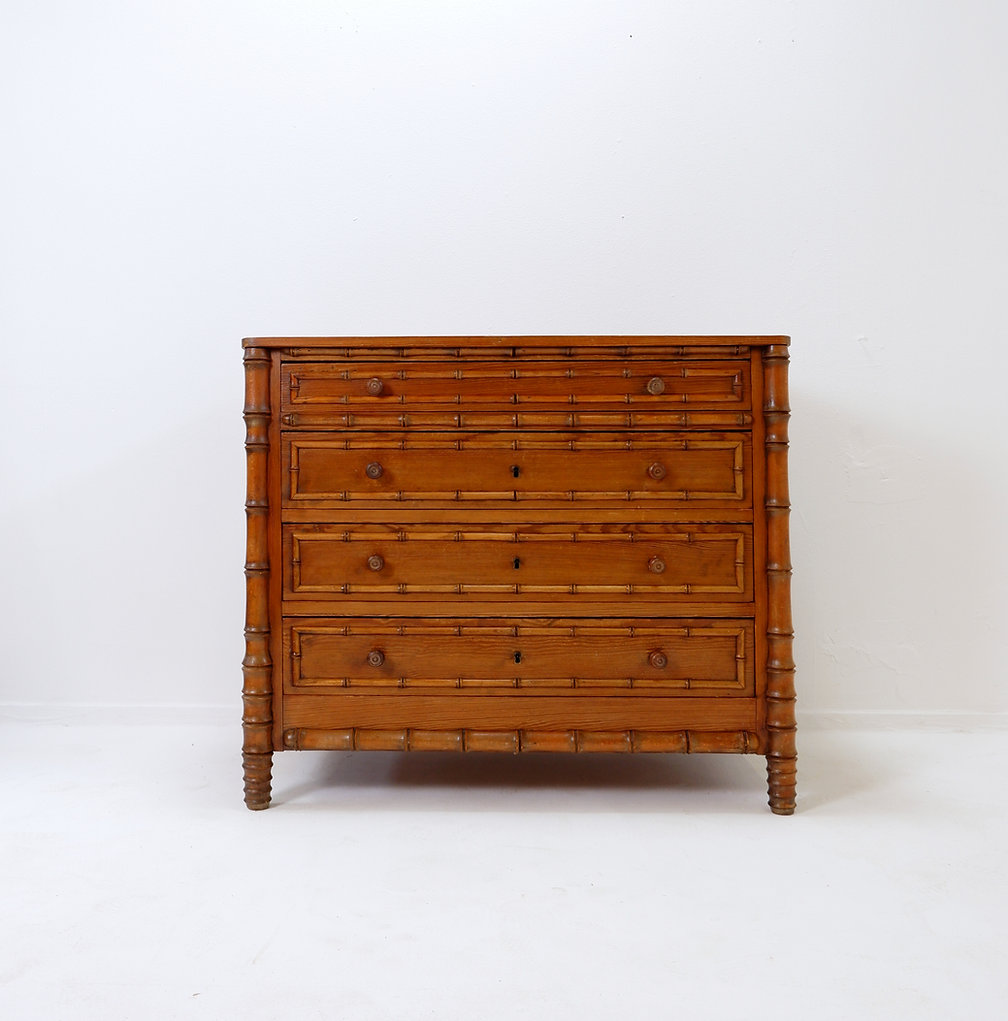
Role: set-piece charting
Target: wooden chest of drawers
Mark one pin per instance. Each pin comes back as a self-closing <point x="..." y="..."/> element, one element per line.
<point x="518" y="543"/>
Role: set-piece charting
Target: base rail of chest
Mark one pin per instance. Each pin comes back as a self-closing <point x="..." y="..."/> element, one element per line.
<point x="472" y="740"/>
<point x="516" y="723"/>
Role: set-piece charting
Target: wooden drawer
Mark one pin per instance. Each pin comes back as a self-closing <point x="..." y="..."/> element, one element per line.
<point x="676" y="469"/>
<point x="438" y="562"/>
<point x="663" y="657"/>
<point x="495" y="394"/>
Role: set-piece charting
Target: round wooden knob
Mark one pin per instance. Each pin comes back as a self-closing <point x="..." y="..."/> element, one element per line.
<point x="656" y="470"/>
<point x="374" y="386"/>
<point x="658" y="660"/>
<point x="656" y="385"/>
<point x="656" y="565"/>
<point x="376" y="657"/>
<point x="376" y="561"/>
<point x="374" y="470"/>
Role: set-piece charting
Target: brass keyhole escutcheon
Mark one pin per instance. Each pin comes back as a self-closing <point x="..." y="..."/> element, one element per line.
<point x="376" y="657"/>
<point x="655" y="386"/>
<point x="376" y="561"/>
<point x="656" y="565"/>
<point x="658" y="660"/>
<point x="374" y="386"/>
<point x="656" y="470"/>
<point x="374" y="470"/>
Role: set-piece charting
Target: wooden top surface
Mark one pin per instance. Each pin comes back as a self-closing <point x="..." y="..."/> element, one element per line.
<point x="517" y="341"/>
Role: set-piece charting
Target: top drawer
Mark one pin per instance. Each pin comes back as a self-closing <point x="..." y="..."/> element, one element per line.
<point x="494" y="394"/>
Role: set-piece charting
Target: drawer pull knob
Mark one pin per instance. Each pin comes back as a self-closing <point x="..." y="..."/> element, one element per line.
<point x="656" y="565"/>
<point x="374" y="470"/>
<point x="656" y="470"/>
<point x="374" y="386"/>
<point x="376" y="561"/>
<point x="656" y="385"/>
<point x="376" y="657"/>
<point x="658" y="660"/>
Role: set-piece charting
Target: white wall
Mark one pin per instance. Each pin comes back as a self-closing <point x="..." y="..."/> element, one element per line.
<point x="179" y="175"/>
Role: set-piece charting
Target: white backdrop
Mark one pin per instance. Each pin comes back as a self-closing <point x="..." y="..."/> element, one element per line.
<point x="179" y="175"/>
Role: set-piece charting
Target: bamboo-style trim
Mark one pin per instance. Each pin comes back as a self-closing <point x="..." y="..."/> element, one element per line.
<point x="635" y="582"/>
<point x="257" y="666"/>
<point x="432" y="384"/>
<point x="397" y="636"/>
<point x="496" y="420"/>
<point x="729" y="450"/>
<point x="409" y="739"/>
<point x="780" y="694"/>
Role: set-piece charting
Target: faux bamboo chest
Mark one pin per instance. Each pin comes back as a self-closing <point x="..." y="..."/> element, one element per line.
<point x="570" y="544"/>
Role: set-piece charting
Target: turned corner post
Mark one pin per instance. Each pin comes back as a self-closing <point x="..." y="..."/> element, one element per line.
<point x="257" y="667"/>
<point x="780" y="690"/>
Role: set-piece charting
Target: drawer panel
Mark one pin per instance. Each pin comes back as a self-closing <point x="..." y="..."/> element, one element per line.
<point x="695" y="655"/>
<point x="385" y="393"/>
<point x="681" y="562"/>
<point x="704" y="470"/>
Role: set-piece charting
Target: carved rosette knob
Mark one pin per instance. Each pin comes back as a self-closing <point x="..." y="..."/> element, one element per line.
<point x="374" y="470"/>
<point x="376" y="561"/>
<point x="375" y="657"/>
<point x="658" y="659"/>
<point x="374" y="386"/>
<point x="656" y="565"/>
<point x="655" y="386"/>
<point x="657" y="471"/>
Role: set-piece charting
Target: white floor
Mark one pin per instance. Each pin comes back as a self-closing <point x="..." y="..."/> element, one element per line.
<point x="135" y="885"/>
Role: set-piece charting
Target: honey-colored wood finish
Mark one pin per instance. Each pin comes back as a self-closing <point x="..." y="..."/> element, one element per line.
<point x="582" y="656"/>
<point x="710" y="470"/>
<point x="780" y="692"/>
<point x="257" y="666"/>
<point x="518" y="543"/>
<point x="676" y="562"/>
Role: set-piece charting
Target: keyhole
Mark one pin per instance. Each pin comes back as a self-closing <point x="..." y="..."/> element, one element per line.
<point x="515" y="470"/>
<point x="517" y="563"/>
<point x="517" y="657"/>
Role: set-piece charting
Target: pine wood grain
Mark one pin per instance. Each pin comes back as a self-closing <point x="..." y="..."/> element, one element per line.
<point x="564" y="544"/>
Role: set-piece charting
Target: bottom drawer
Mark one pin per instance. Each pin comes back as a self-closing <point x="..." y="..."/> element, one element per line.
<point x="713" y="657"/>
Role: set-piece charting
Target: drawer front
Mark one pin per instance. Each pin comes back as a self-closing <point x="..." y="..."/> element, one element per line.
<point x="698" y="656"/>
<point x="497" y="393"/>
<point x="681" y="563"/>
<point x="704" y="470"/>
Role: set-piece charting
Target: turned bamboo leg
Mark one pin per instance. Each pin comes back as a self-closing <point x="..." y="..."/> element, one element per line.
<point x="780" y="695"/>
<point x="258" y="774"/>
<point x="257" y="668"/>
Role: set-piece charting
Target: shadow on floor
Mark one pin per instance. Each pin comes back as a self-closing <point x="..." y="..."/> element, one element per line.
<point x="833" y="767"/>
<point x="527" y="782"/>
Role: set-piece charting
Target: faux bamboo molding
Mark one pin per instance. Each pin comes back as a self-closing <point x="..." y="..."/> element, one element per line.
<point x="409" y="739"/>
<point x="780" y="695"/>
<point x="257" y="667"/>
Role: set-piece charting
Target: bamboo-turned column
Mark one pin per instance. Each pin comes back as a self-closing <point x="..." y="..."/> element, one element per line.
<point x="780" y="692"/>
<point x="257" y="667"/>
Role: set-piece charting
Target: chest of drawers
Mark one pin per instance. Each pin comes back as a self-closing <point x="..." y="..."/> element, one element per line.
<point x="567" y="544"/>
